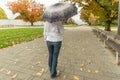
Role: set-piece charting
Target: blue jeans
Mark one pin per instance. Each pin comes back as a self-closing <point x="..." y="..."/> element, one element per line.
<point x="53" y="48"/>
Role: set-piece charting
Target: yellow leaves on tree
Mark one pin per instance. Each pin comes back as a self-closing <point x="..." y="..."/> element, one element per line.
<point x="2" y="14"/>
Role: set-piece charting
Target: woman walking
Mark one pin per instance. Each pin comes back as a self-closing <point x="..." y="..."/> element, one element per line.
<point x="53" y="35"/>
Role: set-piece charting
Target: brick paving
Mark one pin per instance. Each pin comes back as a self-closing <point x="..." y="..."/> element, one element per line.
<point x="82" y="57"/>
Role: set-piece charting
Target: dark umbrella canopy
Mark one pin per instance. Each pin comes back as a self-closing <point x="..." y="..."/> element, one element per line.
<point x="59" y="12"/>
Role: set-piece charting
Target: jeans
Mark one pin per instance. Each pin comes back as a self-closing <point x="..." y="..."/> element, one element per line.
<point x="53" y="48"/>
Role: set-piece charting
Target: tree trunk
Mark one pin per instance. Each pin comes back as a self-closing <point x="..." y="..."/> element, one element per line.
<point x="89" y="24"/>
<point x="108" y="26"/>
<point x="32" y="24"/>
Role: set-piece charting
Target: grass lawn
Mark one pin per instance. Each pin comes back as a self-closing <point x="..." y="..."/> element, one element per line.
<point x="113" y="28"/>
<point x="10" y="37"/>
<point x="102" y="27"/>
<point x="71" y="26"/>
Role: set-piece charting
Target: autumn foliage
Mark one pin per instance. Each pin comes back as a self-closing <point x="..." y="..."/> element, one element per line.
<point x="29" y="10"/>
<point x="102" y="11"/>
<point x="2" y="14"/>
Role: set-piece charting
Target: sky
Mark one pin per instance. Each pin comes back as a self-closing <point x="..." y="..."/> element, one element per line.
<point x="45" y="2"/>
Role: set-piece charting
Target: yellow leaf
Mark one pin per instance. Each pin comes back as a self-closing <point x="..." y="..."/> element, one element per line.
<point x="38" y="62"/>
<point x="96" y="71"/>
<point x="81" y="69"/>
<point x="38" y="74"/>
<point x="14" y="76"/>
<point x="2" y="69"/>
<point x="8" y="71"/>
<point x="76" y="78"/>
<point x="113" y="62"/>
<point x="82" y="65"/>
<point x="64" y="76"/>
<point x="83" y="49"/>
<point x="89" y="70"/>
<point x="32" y="66"/>
<point x="42" y="70"/>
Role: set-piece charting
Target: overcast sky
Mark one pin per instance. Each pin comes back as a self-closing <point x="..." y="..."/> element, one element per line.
<point x="45" y="2"/>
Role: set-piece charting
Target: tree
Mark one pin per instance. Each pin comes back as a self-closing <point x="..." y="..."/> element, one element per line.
<point x="70" y="21"/>
<point x="29" y="10"/>
<point x="105" y="10"/>
<point x="2" y="14"/>
<point x="87" y="16"/>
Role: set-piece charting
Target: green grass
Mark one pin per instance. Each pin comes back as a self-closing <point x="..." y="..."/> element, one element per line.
<point x="102" y="27"/>
<point x="10" y="37"/>
<point x="71" y="25"/>
<point x="113" y="28"/>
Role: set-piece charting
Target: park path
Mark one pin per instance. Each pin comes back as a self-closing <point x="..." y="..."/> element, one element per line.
<point x="82" y="57"/>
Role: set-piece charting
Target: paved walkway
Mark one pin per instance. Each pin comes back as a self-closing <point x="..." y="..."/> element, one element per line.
<point x="82" y="57"/>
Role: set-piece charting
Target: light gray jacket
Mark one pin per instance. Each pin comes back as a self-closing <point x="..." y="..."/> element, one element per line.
<point x="53" y="31"/>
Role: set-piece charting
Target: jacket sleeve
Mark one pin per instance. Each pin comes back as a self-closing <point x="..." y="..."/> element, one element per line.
<point x="45" y="31"/>
<point x="61" y="29"/>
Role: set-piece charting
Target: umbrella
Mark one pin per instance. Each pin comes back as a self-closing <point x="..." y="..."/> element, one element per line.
<point x="59" y="12"/>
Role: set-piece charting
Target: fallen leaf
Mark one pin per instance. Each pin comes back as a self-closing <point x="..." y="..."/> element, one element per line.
<point x="64" y="76"/>
<point x="113" y="62"/>
<point x="42" y="70"/>
<point x="83" y="49"/>
<point x="76" y="78"/>
<point x="81" y="69"/>
<point x="14" y="76"/>
<point x="89" y="61"/>
<point x="38" y="62"/>
<point x="38" y="74"/>
<point x="8" y="71"/>
<point x="82" y="65"/>
<point x="32" y="66"/>
<point x="96" y="71"/>
<point x="89" y="70"/>
<point x="2" y="69"/>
